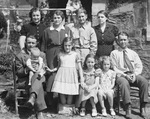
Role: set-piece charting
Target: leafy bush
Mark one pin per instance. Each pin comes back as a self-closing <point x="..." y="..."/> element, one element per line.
<point x="6" y="64"/>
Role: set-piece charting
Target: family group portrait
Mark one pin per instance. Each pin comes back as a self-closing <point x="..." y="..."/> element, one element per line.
<point x="74" y="59"/>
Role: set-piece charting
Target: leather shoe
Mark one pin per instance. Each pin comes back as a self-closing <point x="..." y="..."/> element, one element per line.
<point x="31" y="101"/>
<point x="40" y="115"/>
<point x="128" y="111"/>
<point x="143" y="110"/>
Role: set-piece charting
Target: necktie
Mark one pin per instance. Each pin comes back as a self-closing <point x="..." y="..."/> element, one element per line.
<point x="127" y="62"/>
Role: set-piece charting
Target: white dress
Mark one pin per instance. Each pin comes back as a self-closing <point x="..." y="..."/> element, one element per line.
<point x="66" y="79"/>
<point x="106" y="81"/>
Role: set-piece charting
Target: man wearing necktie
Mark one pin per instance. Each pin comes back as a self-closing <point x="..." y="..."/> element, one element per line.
<point x="128" y="67"/>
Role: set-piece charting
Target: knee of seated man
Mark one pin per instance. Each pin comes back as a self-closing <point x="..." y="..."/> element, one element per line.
<point x="122" y="80"/>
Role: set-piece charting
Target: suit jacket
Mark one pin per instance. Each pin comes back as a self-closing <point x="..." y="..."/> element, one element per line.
<point x="22" y="71"/>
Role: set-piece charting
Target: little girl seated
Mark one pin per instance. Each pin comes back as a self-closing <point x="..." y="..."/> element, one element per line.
<point x="89" y="86"/>
<point x="36" y="64"/>
<point x="106" y="84"/>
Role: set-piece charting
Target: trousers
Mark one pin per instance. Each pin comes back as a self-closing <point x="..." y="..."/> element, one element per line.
<point x="140" y="82"/>
<point x="37" y="88"/>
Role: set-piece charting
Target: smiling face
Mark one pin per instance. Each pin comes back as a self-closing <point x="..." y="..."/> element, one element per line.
<point x="36" y="17"/>
<point x="123" y="41"/>
<point x="90" y="62"/>
<point x="57" y="19"/>
<point x="30" y="43"/>
<point x="102" y="18"/>
<point x="106" y="65"/>
<point x="82" y="17"/>
<point x="68" y="46"/>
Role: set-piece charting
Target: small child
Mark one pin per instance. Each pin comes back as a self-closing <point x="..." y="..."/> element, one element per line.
<point x="90" y="86"/>
<point x="106" y="84"/>
<point x="36" y="64"/>
<point x="72" y="8"/>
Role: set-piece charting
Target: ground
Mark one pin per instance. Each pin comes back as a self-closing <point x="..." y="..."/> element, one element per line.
<point x="8" y="115"/>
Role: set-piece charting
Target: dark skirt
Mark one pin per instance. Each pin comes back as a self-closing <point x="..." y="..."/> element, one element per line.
<point x="52" y="62"/>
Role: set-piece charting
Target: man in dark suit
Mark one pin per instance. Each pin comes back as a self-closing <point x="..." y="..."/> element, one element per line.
<point x="22" y="71"/>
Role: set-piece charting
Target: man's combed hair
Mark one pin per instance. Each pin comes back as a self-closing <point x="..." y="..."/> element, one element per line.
<point x="123" y="33"/>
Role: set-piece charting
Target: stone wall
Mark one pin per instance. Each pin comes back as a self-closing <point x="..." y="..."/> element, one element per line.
<point x="133" y="21"/>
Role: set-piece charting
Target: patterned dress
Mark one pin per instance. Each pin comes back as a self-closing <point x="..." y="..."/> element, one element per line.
<point x="66" y="79"/>
<point x="106" y="81"/>
<point x="89" y="80"/>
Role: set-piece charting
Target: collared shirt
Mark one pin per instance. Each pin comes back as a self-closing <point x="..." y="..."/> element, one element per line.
<point x="86" y="37"/>
<point x="54" y="37"/>
<point x="57" y="29"/>
<point x="118" y="61"/>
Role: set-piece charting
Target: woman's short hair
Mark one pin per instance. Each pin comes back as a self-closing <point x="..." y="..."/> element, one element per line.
<point x="34" y="10"/>
<point x="103" y="12"/>
<point x="59" y="12"/>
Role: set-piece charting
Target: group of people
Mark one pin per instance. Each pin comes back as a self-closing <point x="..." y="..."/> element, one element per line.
<point x="78" y="63"/>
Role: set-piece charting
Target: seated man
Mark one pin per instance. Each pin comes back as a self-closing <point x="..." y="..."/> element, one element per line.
<point x="128" y="66"/>
<point x="22" y="71"/>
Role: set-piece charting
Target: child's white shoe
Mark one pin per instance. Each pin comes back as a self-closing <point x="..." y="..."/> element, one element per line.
<point x="94" y="112"/>
<point x="82" y="112"/>
<point x="112" y="112"/>
<point x="104" y="113"/>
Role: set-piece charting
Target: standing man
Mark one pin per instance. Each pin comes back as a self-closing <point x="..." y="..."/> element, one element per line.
<point x="84" y="36"/>
<point x="128" y="66"/>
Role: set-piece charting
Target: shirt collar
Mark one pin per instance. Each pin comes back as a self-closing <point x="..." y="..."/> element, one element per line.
<point x="57" y="29"/>
<point x="126" y="50"/>
<point x="86" y="24"/>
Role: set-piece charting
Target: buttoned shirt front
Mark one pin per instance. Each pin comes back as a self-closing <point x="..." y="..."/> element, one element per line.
<point x="118" y="61"/>
<point x="33" y="29"/>
<point x="85" y="36"/>
<point x="54" y="36"/>
<point x="105" y="39"/>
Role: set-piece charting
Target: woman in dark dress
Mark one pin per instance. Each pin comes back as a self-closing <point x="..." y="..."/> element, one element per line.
<point x="106" y="34"/>
<point x="35" y="27"/>
<point x="51" y="45"/>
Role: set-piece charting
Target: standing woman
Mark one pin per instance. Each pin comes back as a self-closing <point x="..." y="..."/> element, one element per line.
<point x="51" y="45"/>
<point x="106" y="34"/>
<point x="35" y="27"/>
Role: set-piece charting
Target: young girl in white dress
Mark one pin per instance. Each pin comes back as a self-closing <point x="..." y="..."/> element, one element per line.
<point x="106" y="84"/>
<point x="66" y="80"/>
<point x="90" y="86"/>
